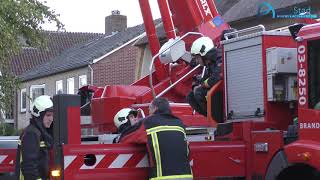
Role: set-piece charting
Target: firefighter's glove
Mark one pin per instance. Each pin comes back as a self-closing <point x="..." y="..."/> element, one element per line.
<point x="205" y="84"/>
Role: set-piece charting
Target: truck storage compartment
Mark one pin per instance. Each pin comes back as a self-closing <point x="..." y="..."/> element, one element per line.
<point x="244" y="76"/>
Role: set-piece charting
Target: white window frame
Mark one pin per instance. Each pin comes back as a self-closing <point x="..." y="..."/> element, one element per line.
<point x="68" y="88"/>
<point x="57" y="82"/>
<point x="24" y="90"/>
<point x="35" y="87"/>
<point x="84" y="76"/>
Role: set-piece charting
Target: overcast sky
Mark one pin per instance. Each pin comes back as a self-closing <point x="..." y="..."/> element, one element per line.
<point x="88" y="15"/>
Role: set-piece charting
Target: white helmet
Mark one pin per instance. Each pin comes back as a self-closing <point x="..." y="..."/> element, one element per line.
<point x="122" y="116"/>
<point x="41" y="104"/>
<point x="201" y="46"/>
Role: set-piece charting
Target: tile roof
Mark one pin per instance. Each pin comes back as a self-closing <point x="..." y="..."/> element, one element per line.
<point x="161" y="34"/>
<point x="249" y="8"/>
<point x="56" y="43"/>
<point x="224" y="5"/>
<point x="233" y="10"/>
<point x="83" y="54"/>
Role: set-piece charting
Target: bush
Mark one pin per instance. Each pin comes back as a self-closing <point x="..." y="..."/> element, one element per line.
<point x="7" y="130"/>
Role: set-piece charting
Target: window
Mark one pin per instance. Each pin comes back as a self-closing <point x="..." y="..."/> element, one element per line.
<point x="23" y="100"/>
<point x="36" y="91"/>
<point x="82" y="80"/>
<point x="59" y="87"/>
<point x="70" y="85"/>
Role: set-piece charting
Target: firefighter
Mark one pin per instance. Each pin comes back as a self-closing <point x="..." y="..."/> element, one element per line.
<point x="35" y="142"/>
<point x="123" y="120"/>
<point x="165" y="138"/>
<point x="205" y="54"/>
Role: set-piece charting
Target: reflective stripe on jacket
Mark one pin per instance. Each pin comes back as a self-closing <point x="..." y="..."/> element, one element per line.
<point x="167" y="146"/>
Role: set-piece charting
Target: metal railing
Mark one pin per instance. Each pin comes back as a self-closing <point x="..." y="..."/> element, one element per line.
<point x="226" y="36"/>
<point x="175" y="83"/>
<point x="154" y="57"/>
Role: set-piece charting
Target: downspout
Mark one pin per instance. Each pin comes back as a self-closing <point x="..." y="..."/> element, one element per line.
<point x="91" y="74"/>
<point x="15" y="113"/>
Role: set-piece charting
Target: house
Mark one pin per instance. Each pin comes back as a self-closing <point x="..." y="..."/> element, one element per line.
<point x="109" y="59"/>
<point x="57" y="42"/>
<point x="30" y="57"/>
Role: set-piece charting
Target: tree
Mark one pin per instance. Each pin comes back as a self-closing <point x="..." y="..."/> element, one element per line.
<point x="20" y="19"/>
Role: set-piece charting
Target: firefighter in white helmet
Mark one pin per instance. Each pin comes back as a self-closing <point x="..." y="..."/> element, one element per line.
<point x="35" y="142"/>
<point x="124" y="120"/>
<point x="205" y="54"/>
<point x="164" y="135"/>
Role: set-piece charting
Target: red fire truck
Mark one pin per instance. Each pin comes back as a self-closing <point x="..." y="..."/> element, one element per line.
<point x="269" y="79"/>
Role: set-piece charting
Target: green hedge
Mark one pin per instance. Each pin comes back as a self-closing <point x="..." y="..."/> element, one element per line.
<point x="7" y="130"/>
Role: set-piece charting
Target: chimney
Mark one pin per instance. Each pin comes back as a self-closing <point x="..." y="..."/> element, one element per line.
<point x="115" y="22"/>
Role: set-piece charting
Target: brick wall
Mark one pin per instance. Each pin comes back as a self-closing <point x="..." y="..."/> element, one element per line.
<point x="50" y="89"/>
<point x="115" y="22"/>
<point x="117" y="68"/>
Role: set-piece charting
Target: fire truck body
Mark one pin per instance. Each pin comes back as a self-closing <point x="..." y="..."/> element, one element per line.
<point x="269" y="78"/>
<point x="260" y="145"/>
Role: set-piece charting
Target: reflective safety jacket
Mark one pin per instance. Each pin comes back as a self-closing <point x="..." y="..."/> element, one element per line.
<point x="165" y="137"/>
<point x="32" y="161"/>
<point x="213" y="70"/>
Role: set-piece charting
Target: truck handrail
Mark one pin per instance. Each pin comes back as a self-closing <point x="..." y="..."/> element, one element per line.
<point x="141" y="112"/>
<point x="154" y="57"/>
<point x="260" y="26"/>
<point x="176" y="82"/>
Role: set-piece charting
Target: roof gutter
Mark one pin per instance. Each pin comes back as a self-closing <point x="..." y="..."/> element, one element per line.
<point x="116" y="49"/>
